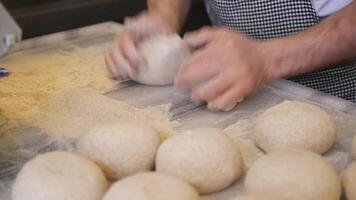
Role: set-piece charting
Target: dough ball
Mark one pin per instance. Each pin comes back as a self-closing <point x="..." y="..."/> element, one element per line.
<point x="294" y="124"/>
<point x="151" y="186"/>
<point x="164" y="54"/>
<point x="121" y="149"/>
<point x="349" y="182"/>
<point x="294" y="175"/>
<point x="354" y="146"/>
<point x="58" y="176"/>
<point x="206" y="158"/>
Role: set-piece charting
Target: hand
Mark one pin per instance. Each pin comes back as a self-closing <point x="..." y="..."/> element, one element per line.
<point x="226" y="67"/>
<point x="122" y="60"/>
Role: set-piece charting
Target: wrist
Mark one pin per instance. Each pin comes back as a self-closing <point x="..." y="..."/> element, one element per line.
<point x="278" y="60"/>
<point x="170" y="19"/>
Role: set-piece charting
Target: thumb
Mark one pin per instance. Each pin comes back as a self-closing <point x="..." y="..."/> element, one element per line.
<point x="200" y="38"/>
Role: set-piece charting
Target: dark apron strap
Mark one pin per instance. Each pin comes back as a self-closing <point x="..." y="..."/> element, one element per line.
<point x="267" y="19"/>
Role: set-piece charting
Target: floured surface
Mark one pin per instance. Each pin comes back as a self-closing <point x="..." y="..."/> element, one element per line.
<point x="70" y="114"/>
<point x="38" y="75"/>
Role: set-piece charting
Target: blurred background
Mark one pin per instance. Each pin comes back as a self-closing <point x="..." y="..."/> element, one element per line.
<point x="39" y="17"/>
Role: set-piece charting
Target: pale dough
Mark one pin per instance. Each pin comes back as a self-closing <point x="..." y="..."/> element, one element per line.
<point x="293" y="175"/>
<point x="349" y="182"/>
<point x="151" y="186"/>
<point x="294" y="124"/>
<point x="59" y="176"/>
<point x="206" y="158"/>
<point x="164" y="54"/>
<point x="121" y="149"/>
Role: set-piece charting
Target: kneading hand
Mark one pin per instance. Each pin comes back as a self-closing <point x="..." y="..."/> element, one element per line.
<point x="226" y="67"/>
<point x="122" y="60"/>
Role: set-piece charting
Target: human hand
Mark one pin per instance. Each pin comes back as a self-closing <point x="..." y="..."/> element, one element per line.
<point x="123" y="58"/>
<point x="226" y="67"/>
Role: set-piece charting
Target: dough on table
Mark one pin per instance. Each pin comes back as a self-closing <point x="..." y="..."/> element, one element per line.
<point x="349" y="181"/>
<point x="164" y="55"/>
<point x="206" y="158"/>
<point x="121" y="149"/>
<point x="294" y="124"/>
<point x="293" y="175"/>
<point x="151" y="186"/>
<point x="59" y="176"/>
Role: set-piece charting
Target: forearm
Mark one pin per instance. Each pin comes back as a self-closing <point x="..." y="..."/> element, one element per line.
<point x="332" y="41"/>
<point x="175" y="11"/>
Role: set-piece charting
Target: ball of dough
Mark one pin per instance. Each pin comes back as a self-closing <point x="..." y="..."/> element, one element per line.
<point x="121" y="149"/>
<point x="349" y="181"/>
<point x="58" y="176"/>
<point x="163" y="54"/>
<point x="294" y="124"/>
<point x="354" y="146"/>
<point x="294" y="175"/>
<point x="206" y="158"/>
<point x="151" y="186"/>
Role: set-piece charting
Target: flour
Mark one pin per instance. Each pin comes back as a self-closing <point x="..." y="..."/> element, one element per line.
<point x="36" y="76"/>
<point x="70" y="113"/>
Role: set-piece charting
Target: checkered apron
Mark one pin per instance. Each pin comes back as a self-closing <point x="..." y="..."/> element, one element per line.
<point x="267" y="19"/>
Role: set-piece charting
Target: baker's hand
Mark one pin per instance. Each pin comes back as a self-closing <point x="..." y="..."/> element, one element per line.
<point x="226" y="67"/>
<point x="123" y="58"/>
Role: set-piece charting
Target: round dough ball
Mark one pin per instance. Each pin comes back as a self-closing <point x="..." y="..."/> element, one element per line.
<point x="294" y="124"/>
<point x="58" y="176"/>
<point x="354" y="146"/>
<point x="121" y="149"/>
<point x="349" y="181"/>
<point x="151" y="186"/>
<point x="163" y="54"/>
<point x="206" y="158"/>
<point x="294" y="175"/>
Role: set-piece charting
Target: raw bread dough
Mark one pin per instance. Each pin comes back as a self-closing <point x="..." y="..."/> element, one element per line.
<point x="292" y="175"/>
<point x="354" y="146"/>
<point x="294" y="124"/>
<point x="206" y="158"/>
<point x="58" y="176"/>
<point x="164" y="54"/>
<point x="241" y="133"/>
<point x="151" y="186"/>
<point x="349" y="182"/>
<point x="121" y="149"/>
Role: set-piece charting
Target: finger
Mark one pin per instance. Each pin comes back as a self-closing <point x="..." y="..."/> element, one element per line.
<point x="129" y="50"/>
<point x="230" y="98"/>
<point x="110" y="65"/>
<point x="120" y="63"/>
<point x="198" y="68"/>
<point x="199" y="38"/>
<point x="212" y="88"/>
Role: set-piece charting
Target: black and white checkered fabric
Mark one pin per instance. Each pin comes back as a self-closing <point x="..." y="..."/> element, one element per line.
<point x="266" y="19"/>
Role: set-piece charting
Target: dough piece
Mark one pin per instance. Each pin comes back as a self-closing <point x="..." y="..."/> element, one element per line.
<point x="164" y="54"/>
<point x="294" y="124"/>
<point x="58" y="176"/>
<point x="349" y="182"/>
<point x="121" y="149"/>
<point x="151" y="186"/>
<point x="354" y="146"/>
<point x="292" y="175"/>
<point x="206" y="158"/>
